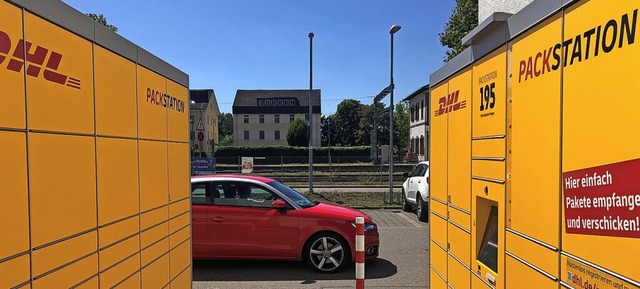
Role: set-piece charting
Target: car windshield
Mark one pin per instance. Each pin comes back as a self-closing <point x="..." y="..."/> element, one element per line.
<point x="292" y="194"/>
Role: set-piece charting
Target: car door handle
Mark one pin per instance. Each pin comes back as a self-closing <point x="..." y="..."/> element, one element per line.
<point x="219" y="219"/>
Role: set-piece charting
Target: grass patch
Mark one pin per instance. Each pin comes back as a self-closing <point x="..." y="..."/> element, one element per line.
<point x="348" y="199"/>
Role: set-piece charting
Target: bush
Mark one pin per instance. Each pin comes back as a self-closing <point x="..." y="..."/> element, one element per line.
<point x="264" y="151"/>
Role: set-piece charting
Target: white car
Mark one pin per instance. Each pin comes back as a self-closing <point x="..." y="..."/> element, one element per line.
<point x="415" y="191"/>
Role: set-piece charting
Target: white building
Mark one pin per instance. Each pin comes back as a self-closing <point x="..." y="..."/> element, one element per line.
<point x="418" y="124"/>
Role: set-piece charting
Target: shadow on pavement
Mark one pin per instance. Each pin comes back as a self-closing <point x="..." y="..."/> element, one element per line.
<point x="240" y="270"/>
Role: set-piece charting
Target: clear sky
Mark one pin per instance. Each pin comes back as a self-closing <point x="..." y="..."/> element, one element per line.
<point x="228" y="45"/>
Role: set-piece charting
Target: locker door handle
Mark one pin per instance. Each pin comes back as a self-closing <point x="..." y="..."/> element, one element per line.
<point x="219" y="219"/>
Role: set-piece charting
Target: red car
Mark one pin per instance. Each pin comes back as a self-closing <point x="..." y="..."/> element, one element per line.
<point x="258" y="218"/>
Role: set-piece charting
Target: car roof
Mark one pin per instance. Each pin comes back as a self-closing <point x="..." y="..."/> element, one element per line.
<point x="232" y="177"/>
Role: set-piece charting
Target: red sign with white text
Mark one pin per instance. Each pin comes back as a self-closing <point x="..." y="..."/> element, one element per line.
<point x="603" y="200"/>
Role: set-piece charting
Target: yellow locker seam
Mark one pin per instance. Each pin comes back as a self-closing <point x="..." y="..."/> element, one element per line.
<point x="119" y="262"/>
<point x="14" y="256"/>
<point x="439" y="216"/>
<point x="459" y="227"/>
<point x="95" y="154"/>
<point x="565" y="285"/>
<point x="482" y="279"/>
<point x="64" y="239"/>
<point x="64" y="265"/>
<point x="179" y="200"/>
<point x="127" y="278"/>
<point x="23" y="283"/>
<point x="438" y="273"/>
<point x="561" y="144"/>
<point x="154" y="260"/>
<point x="438" y="200"/>
<point x="86" y="280"/>
<point x="460" y="209"/>
<point x="487" y="180"/>
<point x="458" y="260"/>
<point x="495" y="159"/>
<point x="156" y="242"/>
<point x="548" y="275"/>
<point x="438" y="244"/>
<point x="154" y="226"/>
<point x="487" y="137"/>
<point x="65" y="133"/>
<point x="180" y="273"/>
<point x="178" y="216"/>
<point x="153" y="209"/>
<point x="543" y="244"/>
<point x="118" y="221"/>
<point x="183" y="241"/>
<point x="26" y="136"/>
<point x="137" y="67"/>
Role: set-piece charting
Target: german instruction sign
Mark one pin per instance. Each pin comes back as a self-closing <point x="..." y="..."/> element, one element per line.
<point x="603" y="200"/>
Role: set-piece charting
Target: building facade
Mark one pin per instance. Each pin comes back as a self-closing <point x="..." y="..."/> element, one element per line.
<point x="262" y="117"/>
<point x="418" y="125"/>
<point x="488" y="7"/>
<point x="203" y="122"/>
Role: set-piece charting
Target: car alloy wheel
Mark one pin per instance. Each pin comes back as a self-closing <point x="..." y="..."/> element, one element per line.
<point x="421" y="210"/>
<point x="326" y="252"/>
<point x="405" y="204"/>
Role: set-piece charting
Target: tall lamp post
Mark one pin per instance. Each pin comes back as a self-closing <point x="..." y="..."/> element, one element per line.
<point x="394" y="29"/>
<point x="310" y="112"/>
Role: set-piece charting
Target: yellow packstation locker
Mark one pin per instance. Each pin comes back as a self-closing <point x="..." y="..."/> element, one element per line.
<point x="549" y="154"/>
<point x="95" y="156"/>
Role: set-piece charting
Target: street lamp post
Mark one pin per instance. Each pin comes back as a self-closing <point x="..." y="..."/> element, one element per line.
<point x="310" y="112"/>
<point x="393" y="30"/>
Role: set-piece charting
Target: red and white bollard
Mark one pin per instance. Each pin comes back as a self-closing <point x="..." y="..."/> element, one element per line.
<point x="359" y="253"/>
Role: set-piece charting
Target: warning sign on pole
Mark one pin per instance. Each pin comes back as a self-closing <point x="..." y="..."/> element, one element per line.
<point x="200" y="126"/>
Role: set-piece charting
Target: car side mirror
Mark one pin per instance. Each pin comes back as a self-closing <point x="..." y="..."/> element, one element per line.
<point x="279" y="205"/>
<point x="405" y="174"/>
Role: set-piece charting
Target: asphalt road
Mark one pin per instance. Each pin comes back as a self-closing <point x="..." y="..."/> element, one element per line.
<point x="403" y="263"/>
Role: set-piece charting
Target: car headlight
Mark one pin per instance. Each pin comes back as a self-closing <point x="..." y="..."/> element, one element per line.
<point x="367" y="226"/>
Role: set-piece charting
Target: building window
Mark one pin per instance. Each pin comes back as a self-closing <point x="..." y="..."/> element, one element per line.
<point x="276" y="135"/>
<point x="246" y="118"/>
<point x="280" y="102"/>
<point x="411" y="113"/>
<point x="262" y="134"/>
<point x="261" y="102"/>
<point x="292" y="117"/>
<point x="262" y="118"/>
<point x="276" y="118"/>
<point x="422" y="145"/>
<point x="246" y="134"/>
<point x="422" y="110"/>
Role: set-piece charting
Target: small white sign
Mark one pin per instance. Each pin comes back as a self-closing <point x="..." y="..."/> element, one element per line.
<point x="200" y="125"/>
<point x="247" y="165"/>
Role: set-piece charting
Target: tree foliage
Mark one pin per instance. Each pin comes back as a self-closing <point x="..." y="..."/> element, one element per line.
<point x="401" y="125"/>
<point x="347" y="122"/>
<point x="225" y="124"/>
<point x="102" y="20"/>
<point x="297" y="133"/>
<point x="463" y="19"/>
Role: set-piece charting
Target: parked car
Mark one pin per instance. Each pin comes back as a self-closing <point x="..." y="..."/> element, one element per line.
<point x="258" y="218"/>
<point x="415" y="191"/>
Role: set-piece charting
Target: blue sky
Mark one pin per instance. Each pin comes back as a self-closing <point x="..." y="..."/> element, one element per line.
<point x="228" y="45"/>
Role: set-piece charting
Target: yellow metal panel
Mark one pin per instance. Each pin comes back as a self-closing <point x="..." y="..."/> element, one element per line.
<point x="61" y="92"/>
<point x="476" y="283"/>
<point x="183" y="280"/>
<point x="438" y="155"/>
<point x="132" y="282"/>
<point x="154" y="251"/>
<point x="119" y="252"/>
<point x="460" y="245"/>
<point x="179" y="222"/>
<point x="180" y="236"/>
<point x="156" y="275"/>
<point x="62" y="253"/>
<point x="180" y="259"/>
<point x="116" y="113"/>
<point x="179" y="185"/>
<point x="180" y="207"/>
<point x="489" y="148"/>
<point x="535" y="140"/>
<point x="13" y="100"/>
<point x="438" y="258"/>
<point x="491" y="169"/>
<point x="178" y="112"/>
<point x="117" y="179"/>
<point x="489" y="90"/>
<point x="14" y="271"/>
<point x="70" y="275"/>
<point x="154" y="234"/>
<point x="438" y="229"/>
<point x="14" y="223"/>
<point x="154" y="184"/>
<point x="91" y="283"/>
<point x="541" y="257"/>
<point x="460" y="218"/>
<point x="120" y="272"/>
<point x="152" y="101"/>
<point x="459" y="142"/>
<point x="438" y="208"/>
<point x="154" y="217"/>
<point x="62" y="176"/>
<point x="581" y="275"/>
<point x="521" y="276"/>
<point x="118" y="231"/>
<point x="459" y="276"/>
<point x="435" y="280"/>
<point x="600" y="121"/>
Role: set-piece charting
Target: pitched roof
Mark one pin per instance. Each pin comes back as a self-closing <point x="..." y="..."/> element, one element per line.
<point x="200" y="95"/>
<point x="250" y="97"/>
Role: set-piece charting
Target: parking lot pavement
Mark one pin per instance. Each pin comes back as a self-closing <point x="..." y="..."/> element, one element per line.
<point x="394" y="218"/>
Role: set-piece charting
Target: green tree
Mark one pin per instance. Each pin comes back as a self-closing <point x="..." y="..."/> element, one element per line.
<point x="297" y="133"/>
<point x="463" y="19"/>
<point x="401" y="125"/>
<point x="226" y="141"/>
<point x="347" y="121"/>
<point x="225" y="125"/>
<point x="102" y="20"/>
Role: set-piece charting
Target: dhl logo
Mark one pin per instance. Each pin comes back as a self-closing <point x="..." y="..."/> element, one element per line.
<point x="450" y="103"/>
<point x="35" y="59"/>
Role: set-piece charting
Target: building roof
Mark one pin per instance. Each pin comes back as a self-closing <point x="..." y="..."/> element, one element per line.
<point x="200" y="95"/>
<point x="250" y="97"/>
<point x="417" y="92"/>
